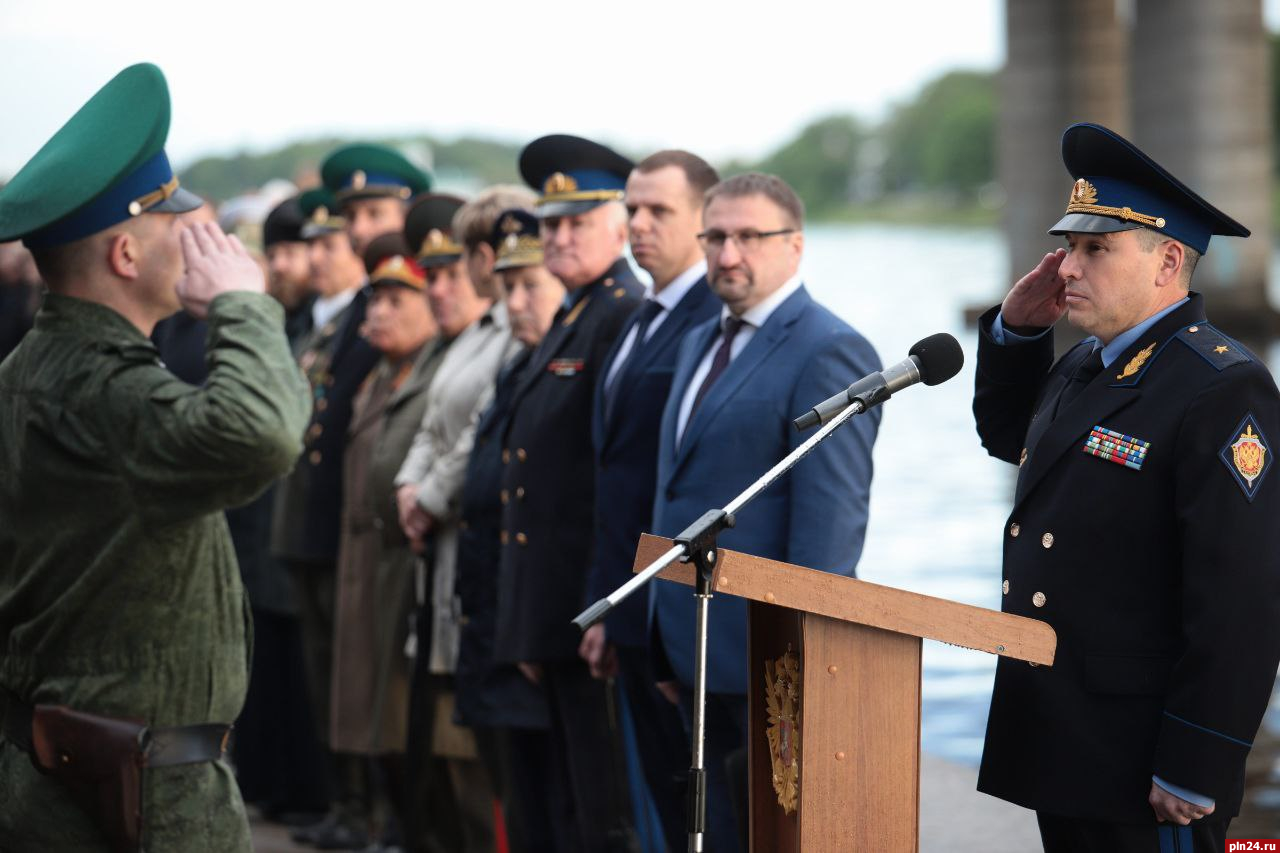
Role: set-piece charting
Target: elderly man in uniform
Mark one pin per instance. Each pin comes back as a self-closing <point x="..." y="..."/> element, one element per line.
<point x="506" y="710"/>
<point x="1143" y="525"/>
<point x="373" y="185"/>
<point x="124" y="619"/>
<point x="550" y="477"/>
<point x="336" y="360"/>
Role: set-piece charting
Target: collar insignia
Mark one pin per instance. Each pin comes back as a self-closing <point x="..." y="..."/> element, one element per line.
<point x="1135" y="363"/>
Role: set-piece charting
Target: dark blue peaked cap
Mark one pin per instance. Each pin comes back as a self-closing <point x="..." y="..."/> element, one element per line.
<point x="1119" y="188"/>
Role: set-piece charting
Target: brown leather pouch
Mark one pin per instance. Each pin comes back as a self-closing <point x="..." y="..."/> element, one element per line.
<point x="98" y="760"/>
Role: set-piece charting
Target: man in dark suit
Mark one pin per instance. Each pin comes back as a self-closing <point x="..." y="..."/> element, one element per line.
<point x="664" y="206"/>
<point x="740" y="379"/>
<point x="549" y="480"/>
<point x="1143" y="526"/>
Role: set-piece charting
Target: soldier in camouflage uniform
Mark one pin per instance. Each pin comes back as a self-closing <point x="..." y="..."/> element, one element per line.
<point x="119" y="592"/>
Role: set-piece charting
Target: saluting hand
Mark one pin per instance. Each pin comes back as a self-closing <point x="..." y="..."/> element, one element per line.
<point x="1039" y="297"/>
<point x="216" y="264"/>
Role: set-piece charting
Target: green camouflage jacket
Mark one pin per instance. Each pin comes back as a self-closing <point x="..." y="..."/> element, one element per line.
<point x="119" y="592"/>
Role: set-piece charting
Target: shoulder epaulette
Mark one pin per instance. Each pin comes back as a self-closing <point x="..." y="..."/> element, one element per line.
<point x="1213" y="346"/>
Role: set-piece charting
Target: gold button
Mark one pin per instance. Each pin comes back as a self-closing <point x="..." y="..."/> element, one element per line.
<point x="1038" y="599"/>
<point x="1194" y="329"/>
<point x="521" y="455"/>
<point x="505" y="537"/>
<point x="1047" y="540"/>
<point x="322" y="404"/>
<point x="1006" y="587"/>
<point x="506" y="459"/>
<point x="519" y="493"/>
<point x="1014" y="529"/>
<point x="1023" y="458"/>
<point x="608" y="282"/>
<point x="503" y="495"/>
<point x="315" y="458"/>
<point x="521" y="539"/>
<point x="315" y="431"/>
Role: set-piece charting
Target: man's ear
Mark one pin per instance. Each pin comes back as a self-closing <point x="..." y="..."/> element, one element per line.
<point x="124" y="255"/>
<point x="1172" y="257"/>
<point x="487" y="256"/>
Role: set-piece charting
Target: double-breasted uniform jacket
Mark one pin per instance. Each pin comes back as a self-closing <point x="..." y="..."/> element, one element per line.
<point x="488" y="693"/>
<point x="549" y="479"/>
<point x="369" y="701"/>
<point x="1153" y="551"/>
<point x="626" y="445"/>
<point x="816" y="516"/>
<point x="336" y="360"/>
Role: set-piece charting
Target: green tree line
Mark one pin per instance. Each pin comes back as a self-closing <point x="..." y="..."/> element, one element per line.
<point x="932" y="157"/>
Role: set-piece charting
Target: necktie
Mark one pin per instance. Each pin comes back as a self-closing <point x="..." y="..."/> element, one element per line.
<point x="719" y="362"/>
<point x="651" y="308"/>
<point x="1088" y="369"/>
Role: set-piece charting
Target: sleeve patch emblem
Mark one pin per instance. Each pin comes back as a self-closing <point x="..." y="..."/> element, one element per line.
<point x="1245" y="455"/>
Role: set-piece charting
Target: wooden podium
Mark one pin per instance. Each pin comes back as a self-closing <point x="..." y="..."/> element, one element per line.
<point x="834" y="696"/>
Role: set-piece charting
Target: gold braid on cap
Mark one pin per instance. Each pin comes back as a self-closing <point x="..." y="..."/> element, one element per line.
<point x="562" y="187"/>
<point x="1084" y="199"/>
<point x="438" y="243"/>
<point x="151" y="199"/>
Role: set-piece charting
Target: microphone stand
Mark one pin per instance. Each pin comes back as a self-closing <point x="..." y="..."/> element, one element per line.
<point x="697" y="545"/>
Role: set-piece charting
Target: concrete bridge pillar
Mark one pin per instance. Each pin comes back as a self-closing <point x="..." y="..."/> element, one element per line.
<point x="1068" y="61"/>
<point x="1187" y="80"/>
<point x="1201" y="88"/>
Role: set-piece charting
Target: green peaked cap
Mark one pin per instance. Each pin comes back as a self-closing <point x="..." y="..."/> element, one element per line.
<point x="106" y="164"/>
<point x="365" y="170"/>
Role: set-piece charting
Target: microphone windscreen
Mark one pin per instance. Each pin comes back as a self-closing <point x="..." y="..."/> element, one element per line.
<point x="940" y="358"/>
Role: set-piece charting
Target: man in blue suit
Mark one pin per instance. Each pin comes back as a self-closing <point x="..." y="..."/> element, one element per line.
<point x="740" y="378"/>
<point x="664" y="209"/>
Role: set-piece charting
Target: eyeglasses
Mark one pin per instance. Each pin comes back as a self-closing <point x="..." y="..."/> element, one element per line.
<point x="748" y="239"/>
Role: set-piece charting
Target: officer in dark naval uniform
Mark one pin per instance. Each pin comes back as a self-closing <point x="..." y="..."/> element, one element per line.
<point x="1143" y="526"/>
<point x="549" y="480"/>
<point x="336" y="360"/>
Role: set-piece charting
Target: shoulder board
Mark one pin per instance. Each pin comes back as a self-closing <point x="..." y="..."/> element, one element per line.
<point x="1213" y="346"/>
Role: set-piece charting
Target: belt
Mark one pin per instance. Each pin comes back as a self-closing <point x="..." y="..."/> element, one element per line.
<point x="160" y="747"/>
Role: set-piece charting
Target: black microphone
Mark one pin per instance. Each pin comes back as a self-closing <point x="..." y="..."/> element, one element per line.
<point x="932" y="361"/>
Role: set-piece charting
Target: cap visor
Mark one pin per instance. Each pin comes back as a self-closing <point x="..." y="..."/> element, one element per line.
<point x="438" y="261"/>
<point x="181" y="201"/>
<point x="565" y="208"/>
<point x="1089" y="223"/>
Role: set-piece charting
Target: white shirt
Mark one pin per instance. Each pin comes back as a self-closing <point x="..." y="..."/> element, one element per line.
<point x="325" y="308"/>
<point x="669" y="297"/>
<point x="752" y="319"/>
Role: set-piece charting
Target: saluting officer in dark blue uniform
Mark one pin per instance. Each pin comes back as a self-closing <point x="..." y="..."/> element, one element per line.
<point x="549" y="479"/>
<point x="1143" y="528"/>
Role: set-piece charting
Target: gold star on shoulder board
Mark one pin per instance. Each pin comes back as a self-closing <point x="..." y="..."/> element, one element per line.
<point x="1219" y="350"/>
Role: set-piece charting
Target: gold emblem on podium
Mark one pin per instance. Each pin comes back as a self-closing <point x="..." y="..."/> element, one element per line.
<point x="782" y="698"/>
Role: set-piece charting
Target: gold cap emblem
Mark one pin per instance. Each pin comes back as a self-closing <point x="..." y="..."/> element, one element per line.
<point x="435" y="238"/>
<point x="510" y="225"/>
<point x="1083" y="192"/>
<point x="321" y="215"/>
<point x="559" y="182"/>
<point x="358" y="179"/>
<point x="512" y="241"/>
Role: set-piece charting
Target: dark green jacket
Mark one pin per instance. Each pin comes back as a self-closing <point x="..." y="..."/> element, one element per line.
<point x="119" y="592"/>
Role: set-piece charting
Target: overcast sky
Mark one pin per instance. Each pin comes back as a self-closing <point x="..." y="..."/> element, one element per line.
<point x="722" y="79"/>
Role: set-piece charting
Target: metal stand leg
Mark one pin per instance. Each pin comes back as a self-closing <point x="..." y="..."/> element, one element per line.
<point x="700" y="538"/>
